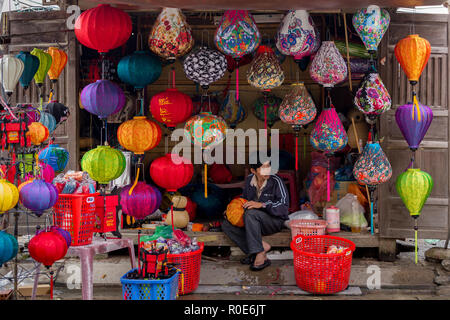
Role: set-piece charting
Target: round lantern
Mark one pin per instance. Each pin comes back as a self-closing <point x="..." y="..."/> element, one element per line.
<point x="413" y="130"/>
<point x="103" y="98"/>
<point x="232" y="110"/>
<point x="142" y="202"/>
<point x="212" y="206"/>
<point x="328" y="66"/>
<point x="205" y="66"/>
<point x="9" y="196"/>
<point x="8" y="247"/>
<point x="11" y="71"/>
<point x="266" y="109"/>
<point x="265" y="71"/>
<point x="103" y="164"/>
<point x="235" y="212"/>
<point x="205" y="103"/>
<point x="47" y="172"/>
<point x="57" y="110"/>
<point x="37" y="132"/>
<point x="48" y="121"/>
<point x="171" y="107"/>
<point x="296" y="35"/>
<point x="171" y="172"/>
<point x="64" y="233"/>
<point x="59" y="61"/>
<point x="205" y="130"/>
<point x="297" y="108"/>
<point x="139" y="135"/>
<point x="38" y="196"/>
<point x="45" y="62"/>
<point x="170" y="36"/>
<point x="31" y="65"/>
<point x="55" y="156"/>
<point x="47" y="247"/>
<point x="372" y="97"/>
<point x="220" y="173"/>
<point x="139" y="69"/>
<point x="371" y="24"/>
<point x="103" y="28"/>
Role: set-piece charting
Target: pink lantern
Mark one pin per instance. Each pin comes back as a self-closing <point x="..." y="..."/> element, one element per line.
<point x="328" y="67"/>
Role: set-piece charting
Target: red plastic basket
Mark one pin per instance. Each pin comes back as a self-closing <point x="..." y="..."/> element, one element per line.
<point x="315" y="270"/>
<point x="76" y="214"/>
<point x="307" y="227"/>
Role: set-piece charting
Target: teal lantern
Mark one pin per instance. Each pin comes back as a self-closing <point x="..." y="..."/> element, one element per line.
<point x="55" y="156"/>
<point x="139" y="69"/>
<point x="266" y="109"/>
<point x="103" y="164"/>
<point x="8" y="247"/>
<point x="31" y="66"/>
<point x="48" y="120"/>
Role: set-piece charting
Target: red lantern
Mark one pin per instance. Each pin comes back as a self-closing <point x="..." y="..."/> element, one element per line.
<point x="171" y="172"/>
<point x="220" y="173"/>
<point x="171" y="107"/>
<point x="103" y="28"/>
<point x="47" y="247"/>
<point x="191" y="208"/>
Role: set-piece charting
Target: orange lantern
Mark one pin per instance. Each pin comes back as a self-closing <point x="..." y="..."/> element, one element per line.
<point x="139" y="135"/>
<point x="413" y="53"/>
<point x="235" y="212"/>
<point x="59" y="60"/>
<point x="37" y="132"/>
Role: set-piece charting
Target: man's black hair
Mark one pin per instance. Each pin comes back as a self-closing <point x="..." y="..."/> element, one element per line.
<point x="259" y="162"/>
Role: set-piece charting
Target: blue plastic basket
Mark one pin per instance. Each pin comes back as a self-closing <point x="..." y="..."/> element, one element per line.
<point x="149" y="289"/>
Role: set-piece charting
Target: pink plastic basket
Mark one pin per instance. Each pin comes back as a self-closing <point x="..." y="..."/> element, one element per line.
<point x="307" y="227"/>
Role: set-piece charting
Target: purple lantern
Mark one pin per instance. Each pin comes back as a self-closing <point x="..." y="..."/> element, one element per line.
<point x="38" y="196"/>
<point x="413" y="123"/>
<point x="103" y="98"/>
<point x="143" y="201"/>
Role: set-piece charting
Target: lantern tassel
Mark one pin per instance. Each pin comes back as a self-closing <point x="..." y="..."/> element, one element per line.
<point x="417" y="107"/>
<point x="371" y="217"/>
<point x="206" y="180"/>
<point x="328" y="180"/>
<point x="135" y="182"/>
<point x="416" y="230"/>
<point x="237" y="84"/>
<point x="296" y="153"/>
<point x="51" y="285"/>
<point x="171" y="212"/>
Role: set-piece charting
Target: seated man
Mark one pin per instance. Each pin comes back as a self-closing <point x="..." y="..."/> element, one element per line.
<point x="265" y="214"/>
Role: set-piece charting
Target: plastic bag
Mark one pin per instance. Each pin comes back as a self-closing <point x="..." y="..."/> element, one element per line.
<point x="351" y="211"/>
<point x="302" y="214"/>
<point x="160" y="231"/>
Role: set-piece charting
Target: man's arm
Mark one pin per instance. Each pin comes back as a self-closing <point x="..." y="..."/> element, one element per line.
<point x="280" y="205"/>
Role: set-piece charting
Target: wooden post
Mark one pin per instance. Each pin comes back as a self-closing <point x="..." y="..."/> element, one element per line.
<point x="387" y="250"/>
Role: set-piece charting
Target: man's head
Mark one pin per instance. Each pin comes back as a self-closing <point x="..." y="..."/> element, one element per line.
<point x="261" y="170"/>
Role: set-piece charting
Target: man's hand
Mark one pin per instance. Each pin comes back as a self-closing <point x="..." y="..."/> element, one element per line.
<point x="252" y="205"/>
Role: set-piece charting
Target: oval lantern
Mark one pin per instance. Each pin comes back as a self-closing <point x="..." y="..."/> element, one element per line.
<point x="372" y="167"/>
<point x="232" y="110"/>
<point x="103" y="28"/>
<point x="139" y="69"/>
<point x="297" y="108"/>
<point x="45" y="62"/>
<point x="371" y="24"/>
<point x="413" y="53"/>
<point x="59" y="61"/>
<point x="55" y="156"/>
<point x="142" y="202"/>
<point x="328" y="134"/>
<point x="372" y="97"/>
<point x="328" y="67"/>
<point x="38" y="196"/>
<point x="171" y="172"/>
<point x="205" y="66"/>
<point x="205" y="130"/>
<point x="64" y="233"/>
<point x="103" y="98"/>
<point x="37" y="132"/>
<point x="103" y="164"/>
<point x="139" y="135"/>
<point x="31" y="65"/>
<point x="48" y="121"/>
<point x="265" y="72"/>
<point x="8" y="247"/>
<point x="170" y="36"/>
<point x="171" y="107"/>
<point x="11" y="71"/>
<point x="412" y="129"/>
<point x="9" y="196"/>
<point x="47" y="247"/>
<point x="266" y="108"/>
<point x="57" y="110"/>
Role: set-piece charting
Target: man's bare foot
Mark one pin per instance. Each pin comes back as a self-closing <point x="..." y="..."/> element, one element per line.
<point x="260" y="258"/>
<point x="266" y="247"/>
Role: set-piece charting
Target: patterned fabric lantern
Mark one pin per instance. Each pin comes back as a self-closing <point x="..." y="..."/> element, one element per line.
<point x="45" y="62"/>
<point x="37" y="132"/>
<point x="48" y="121"/>
<point x="8" y="247"/>
<point x="11" y="71"/>
<point x="412" y="129"/>
<point x="171" y="107"/>
<point x="58" y="110"/>
<point x="103" y="164"/>
<point x="103" y="28"/>
<point x="266" y="109"/>
<point x="414" y="186"/>
<point x="171" y="36"/>
<point x="205" y="66"/>
<point x="9" y="196"/>
<point x="413" y="53"/>
<point x="55" y="156"/>
<point x="38" y="196"/>
<point x="328" y="67"/>
<point x="103" y="98"/>
<point x="371" y="25"/>
<point x="171" y="172"/>
<point x="47" y="247"/>
<point x="232" y="110"/>
<point x="265" y="72"/>
<point x="297" y="35"/>
<point x="139" y="135"/>
<point x="139" y="69"/>
<point x="142" y="202"/>
<point x="59" y="61"/>
<point x="31" y="65"/>
<point x="205" y="130"/>
<point x="372" y="97"/>
<point x="372" y="168"/>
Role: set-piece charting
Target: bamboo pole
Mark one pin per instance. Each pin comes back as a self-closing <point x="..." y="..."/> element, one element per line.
<point x="348" y="56"/>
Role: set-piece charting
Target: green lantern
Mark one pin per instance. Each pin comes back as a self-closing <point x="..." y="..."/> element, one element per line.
<point x="45" y="62"/>
<point x="103" y="164"/>
<point x="414" y="186"/>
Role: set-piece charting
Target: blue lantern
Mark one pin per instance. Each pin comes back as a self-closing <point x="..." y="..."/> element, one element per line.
<point x="55" y="156"/>
<point x="139" y="69"/>
<point x="8" y="247"/>
<point x="49" y="121"/>
<point x="31" y="65"/>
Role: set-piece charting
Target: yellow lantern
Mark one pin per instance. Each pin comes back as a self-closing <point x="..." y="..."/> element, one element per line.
<point x="37" y="132"/>
<point x="9" y="195"/>
<point x="59" y="60"/>
<point x="139" y="135"/>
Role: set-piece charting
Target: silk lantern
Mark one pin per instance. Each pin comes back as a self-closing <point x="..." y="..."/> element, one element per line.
<point x="266" y="107"/>
<point x="371" y="24"/>
<point x="59" y="111"/>
<point x="47" y="172"/>
<point x="64" y="233"/>
<point x="9" y="196"/>
<point x="235" y="212"/>
<point x="372" y="97"/>
<point x="139" y="135"/>
<point x="142" y="202"/>
<point x="37" y="132"/>
<point x="103" y="164"/>
<point x="48" y="121"/>
<point x="211" y="207"/>
<point x="31" y="65"/>
<point x="59" y="61"/>
<point x="11" y="71"/>
<point x="139" y="69"/>
<point x="45" y="62"/>
<point x="55" y="156"/>
<point x="47" y="247"/>
<point x="103" y="28"/>
<point x="328" y="68"/>
<point x="372" y="168"/>
<point x="8" y="247"/>
<point x="220" y="173"/>
<point x="103" y="98"/>
<point x="171" y="172"/>
<point x="414" y="186"/>
<point x="38" y="196"/>
<point x="232" y="110"/>
<point x="205" y="66"/>
<point x="265" y="72"/>
<point x="171" y="107"/>
<point x="170" y="37"/>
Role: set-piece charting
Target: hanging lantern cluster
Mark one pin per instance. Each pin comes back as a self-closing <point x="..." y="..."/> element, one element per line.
<point x="265" y="72"/>
<point x="205" y="66"/>
<point x="141" y="201"/>
<point x="139" y="135"/>
<point x="266" y="109"/>
<point x="171" y="107"/>
<point x="103" y="164"/>
<point x="232" y="110"/>
<point x="371" y="24"/>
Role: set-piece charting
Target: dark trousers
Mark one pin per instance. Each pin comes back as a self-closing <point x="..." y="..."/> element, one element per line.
<point x="257" y="223"/>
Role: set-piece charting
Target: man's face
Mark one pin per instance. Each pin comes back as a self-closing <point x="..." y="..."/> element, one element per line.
<point x="263" y="172"/>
